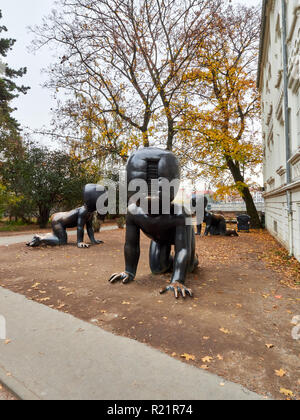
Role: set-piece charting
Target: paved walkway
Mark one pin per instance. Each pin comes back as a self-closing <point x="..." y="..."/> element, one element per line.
<point x="53" y="355"/>
<point x="18" y="239"/>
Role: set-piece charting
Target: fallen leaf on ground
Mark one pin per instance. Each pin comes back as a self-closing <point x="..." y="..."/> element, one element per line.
<point x="205" y="367"/>
<point x="270" y="346"/>
<point x="220" y="357"/>
<point x="280" y="373"/>
<point x="224" y="330"/>
<point x="286" y="392"/>
<point x="187" y="356"/>
<point x="125" y="303"/>
<point x="207" y="359"/>
<point x="7" y="341"/>
<point x="174" y="354"/>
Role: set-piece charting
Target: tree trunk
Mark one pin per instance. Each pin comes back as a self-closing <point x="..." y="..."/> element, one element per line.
<point x="251" y="209"/>
<point x="43" y="219"/>
<point x="245" y="193"/>
<point x="171" y="134"/>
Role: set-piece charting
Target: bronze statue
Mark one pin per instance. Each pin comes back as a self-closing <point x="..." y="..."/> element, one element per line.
<point x="216" y="225"/>
<point x="164" y="229"/>
<point x="79" y="217"/>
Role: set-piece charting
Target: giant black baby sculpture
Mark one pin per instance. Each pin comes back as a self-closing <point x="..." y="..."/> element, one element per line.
<point x="216" y="226"/>
<point x="165" y="230"/>
<point x="80" y="217"/>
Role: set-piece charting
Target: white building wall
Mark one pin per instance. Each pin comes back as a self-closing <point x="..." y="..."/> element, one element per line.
<point x="273" y="124"/>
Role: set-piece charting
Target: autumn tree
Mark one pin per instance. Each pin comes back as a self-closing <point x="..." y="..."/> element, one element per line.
<point x="128" y="58"/>
<point x="92" y="136"/>
<point x="9" y="90"/>
<point x="218" y="129"/>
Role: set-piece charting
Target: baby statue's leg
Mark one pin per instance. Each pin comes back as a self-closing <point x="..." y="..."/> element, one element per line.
<point x="161" y="260"/>
<point x="60" y="233"/>
<point x="58" y="237"/>
<point x="48" y="239"/>
<point x="194" y="262"/>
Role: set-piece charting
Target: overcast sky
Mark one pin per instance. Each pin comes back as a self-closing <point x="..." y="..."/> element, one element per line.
<point x="18" y="15"/>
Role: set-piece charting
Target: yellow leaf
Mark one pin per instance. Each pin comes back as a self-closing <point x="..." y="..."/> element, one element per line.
<point x="270" y="346"/>
<point x="224" y="330"/>
<point x="280" y="373"/>
<point x="188" y="356"/>
<point x="286" y="392"/>
<point x="207" y="359"/>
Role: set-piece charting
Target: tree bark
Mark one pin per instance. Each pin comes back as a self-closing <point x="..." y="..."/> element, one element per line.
<point x="246" y="194"/>
<point x="43" y="219"/>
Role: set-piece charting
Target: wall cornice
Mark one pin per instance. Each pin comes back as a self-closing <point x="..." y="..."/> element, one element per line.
<point x="282" y="190"/>
<point x="295" y="158"/>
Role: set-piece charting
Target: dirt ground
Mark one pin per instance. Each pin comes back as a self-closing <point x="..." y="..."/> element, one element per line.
<point x="238" y="325"/>
<point x="5" y="395"/>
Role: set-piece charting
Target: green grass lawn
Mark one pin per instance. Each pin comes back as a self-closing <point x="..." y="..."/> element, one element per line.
<point x="6" y="226"/>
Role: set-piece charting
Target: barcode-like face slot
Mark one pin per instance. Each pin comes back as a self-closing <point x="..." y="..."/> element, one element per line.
<point x="152" y="173"/>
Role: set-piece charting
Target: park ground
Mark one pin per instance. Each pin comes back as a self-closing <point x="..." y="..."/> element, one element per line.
<point x="238" y="324"/>
<point x="5" y="395"/>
